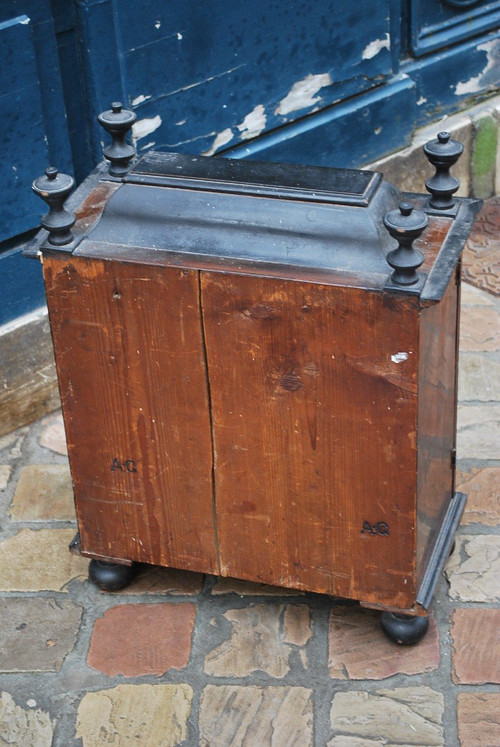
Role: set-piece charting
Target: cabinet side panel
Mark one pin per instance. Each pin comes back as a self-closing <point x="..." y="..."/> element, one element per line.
<point x="314" y="414"/>
<point x="129" y="354"/>
<point x="436" y="418"/>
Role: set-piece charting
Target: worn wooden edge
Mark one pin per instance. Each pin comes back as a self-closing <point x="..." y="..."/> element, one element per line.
<point x="76" y="549"/>
<point x="450" y="252"/>
<point x="441" y="550"/>
<point x="29" y="383"/>
<point x="72" y="204"/>
<point x="437" y="560"/>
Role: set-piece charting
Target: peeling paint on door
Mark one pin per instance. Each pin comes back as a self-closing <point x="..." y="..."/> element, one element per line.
<point x="302" y="94"/>
<point x="254" y="123"/>
<point x="221" y="139"/>
<point x="145" y="127"/>
<point x="476" y="84"/>
<point x="140" y="99"/>
<point x="377" y="45"/>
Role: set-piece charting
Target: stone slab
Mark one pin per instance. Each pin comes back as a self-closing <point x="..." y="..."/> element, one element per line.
<point x="29" y="384"/>
<point x="401" y="717"/>
<point x="479" y="329"/>
<point x="36" y="634"/>
<point x="478" y="719"/>
<point x="472" y="296"/>
<point x="138" y="639"/>
<point x="127" y="715"/>
<point x="359" y="650"/>
<point x="257" y="642"/>
<point x="476" y="646"/>
<point x="473" y="570"/>
<point x="232" y="716"/>
<point x="297" y="624"/>
<point x="482" y="487"/>
<point x="481" y="257"/>
<point x="39" y="561"/>
<point x="24" y="727"/>
<point x="478" y="378"/>
<point x="44" y="492"/>
<point x="53" y="435"/>
<point x="478" y="435"/>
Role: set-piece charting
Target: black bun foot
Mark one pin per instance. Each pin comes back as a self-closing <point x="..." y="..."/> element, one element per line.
<point x="404" y="629"/>
<point x="110" y="576"/>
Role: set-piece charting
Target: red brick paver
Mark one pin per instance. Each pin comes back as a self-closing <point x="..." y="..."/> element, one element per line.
<point x="139" y="639"/>
<point x="481" y="261"/>
<point x="476" y="646"/>
<point x="482" y="487"/>
<point x="479" y="719"/>
<point x="359" y="650"/>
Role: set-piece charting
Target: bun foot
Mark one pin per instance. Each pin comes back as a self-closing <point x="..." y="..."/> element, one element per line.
<point x="404" y="629"/>
<point x="110" y="576"/>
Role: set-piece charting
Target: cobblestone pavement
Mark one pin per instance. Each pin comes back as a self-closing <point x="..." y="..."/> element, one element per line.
<point x="182" y="659"/>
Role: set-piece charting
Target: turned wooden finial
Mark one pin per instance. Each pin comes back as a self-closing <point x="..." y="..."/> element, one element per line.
<point x="405" y="225"/>
<point x="442" y="152"/>
<point x="118" y="121"/>
<point x="54" y="188"/>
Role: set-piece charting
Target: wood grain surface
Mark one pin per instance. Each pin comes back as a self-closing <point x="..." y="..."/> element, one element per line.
<point x="436" y="416"/>
<point x="314" y="422"/>
<point x="129" y="352"/>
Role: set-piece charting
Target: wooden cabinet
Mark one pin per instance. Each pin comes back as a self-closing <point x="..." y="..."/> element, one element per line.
<point x="246" y="392"/>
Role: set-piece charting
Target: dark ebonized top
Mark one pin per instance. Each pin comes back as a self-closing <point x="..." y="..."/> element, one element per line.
<point x="303" y="222"/>
<point x="289" y="181"/>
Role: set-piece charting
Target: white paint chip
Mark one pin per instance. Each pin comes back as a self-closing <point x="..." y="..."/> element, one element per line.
<point x="374" y="47"/>
<point x="144" y="127"/>
<point x="302" y="94"/>
<point x="179" y="36"/>
<point x="140" y="99"/>
<point x="158" y="24"/>
<point x="221" y="139"/>
<point x="475" y="85"/>
<point x="253" y="123"/>
<point x="399" y="357"/>
<point x="422" y="100"/>
<point x="24" y="20"/>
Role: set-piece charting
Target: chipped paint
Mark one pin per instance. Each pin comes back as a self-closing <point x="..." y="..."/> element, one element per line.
<point x="399" y="357"/>
<point x="148" y="145"/>
<point x="24" y="20"/>
<point x="476" y="84"/>
<point x="158" y="24"/>
<point x="422" y="100"/>
<point x="221" y="139"/>
<point x="144" y="127"/>
<point x="140" y="99"/>
<point x="302" y="94"/>
<point x="179" y="36"/>
<point x="181" y="122"/>
<point x="253" y="123"/>
<point x="374" y="47"/>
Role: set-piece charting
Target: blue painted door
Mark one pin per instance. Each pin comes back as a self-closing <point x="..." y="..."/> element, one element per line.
<point x="34" y="133"/>
<point x="330" y="82"/>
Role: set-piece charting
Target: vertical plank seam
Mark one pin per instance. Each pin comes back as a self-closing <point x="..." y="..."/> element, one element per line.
<point x="210" y="415"/>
